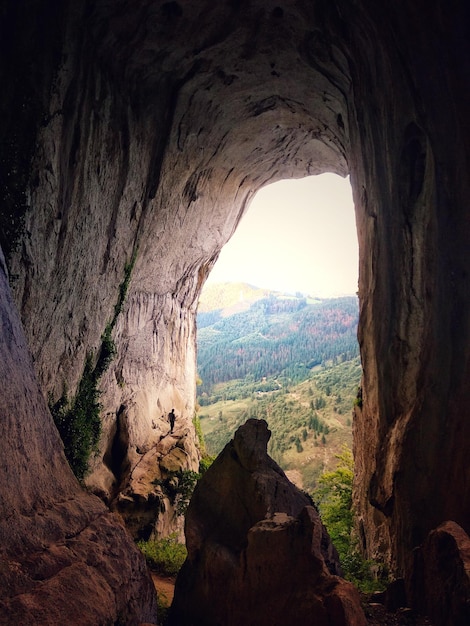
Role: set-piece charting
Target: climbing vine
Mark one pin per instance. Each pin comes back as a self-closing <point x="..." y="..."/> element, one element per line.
<point x="78" y="419"/>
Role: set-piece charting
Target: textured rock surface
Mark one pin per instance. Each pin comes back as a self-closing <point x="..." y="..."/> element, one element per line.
<point x="145" y="503"/>
<point x="257" y="548"/>
<point x="442" y="576"/>
<point x="64" y="559"/>
<point x="143" y="127"/>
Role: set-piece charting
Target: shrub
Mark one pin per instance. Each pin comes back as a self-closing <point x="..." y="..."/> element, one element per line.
<point x="187" y="480"/>
<point x="334" y="499"/>
<point x="165" y="556"/>
<point x="178" y="486"/>
<point x="78" y="420"/>
<point x="205" y="462"/>
<point x="199" y="434"/>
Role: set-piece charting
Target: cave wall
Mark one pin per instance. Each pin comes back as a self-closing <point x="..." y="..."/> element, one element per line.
<point x="64" y="558"/>
<point x="158" y="164"/>
<point x="413" y="291"/>
<point x="144" y="129"/>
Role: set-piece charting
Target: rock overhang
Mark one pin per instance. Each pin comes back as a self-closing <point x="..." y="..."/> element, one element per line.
<point x="155" y="138"/>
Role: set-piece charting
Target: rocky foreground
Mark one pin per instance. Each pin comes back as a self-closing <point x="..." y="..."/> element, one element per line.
<point x="257" y="550"/>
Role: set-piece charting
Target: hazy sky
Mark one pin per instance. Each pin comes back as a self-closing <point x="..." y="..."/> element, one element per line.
<point x="298" y="235"/>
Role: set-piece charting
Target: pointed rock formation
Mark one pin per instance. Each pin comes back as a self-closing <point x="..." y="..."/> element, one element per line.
<point x="258" y="553"/>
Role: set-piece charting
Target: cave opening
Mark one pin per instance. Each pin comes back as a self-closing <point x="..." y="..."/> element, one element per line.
<point x="297" y="236"/>
<point x="291" y="264"/>
<point x="146" y="132"/>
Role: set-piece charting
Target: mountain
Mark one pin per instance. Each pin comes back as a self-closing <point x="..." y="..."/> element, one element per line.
<point x="290" y="360"/>
<point x="229" y="298"/>
<point x="273" y="335"/>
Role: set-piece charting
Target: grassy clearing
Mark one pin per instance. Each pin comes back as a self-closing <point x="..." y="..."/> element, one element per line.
<point x="310" y="422"/>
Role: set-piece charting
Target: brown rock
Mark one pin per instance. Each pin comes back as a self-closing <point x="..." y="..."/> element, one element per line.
<point x="256" y="547"/>
<point x="148" y="127"/>
<point x="441" y="581"/>
<point x="65" y="559"/>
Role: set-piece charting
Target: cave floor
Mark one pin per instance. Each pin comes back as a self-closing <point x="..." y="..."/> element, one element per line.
<point x="376" y="613"/>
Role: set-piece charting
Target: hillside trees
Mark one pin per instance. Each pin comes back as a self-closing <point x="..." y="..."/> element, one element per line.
<point x="276" y="337"/>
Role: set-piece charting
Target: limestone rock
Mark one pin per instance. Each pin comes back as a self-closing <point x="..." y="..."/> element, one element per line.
<point x="441" y="581"/>
<point x="144" y="128"/>
<point x="64" y="557"/>
<point x="144" y="503"/>
<point x="257" y="551"/>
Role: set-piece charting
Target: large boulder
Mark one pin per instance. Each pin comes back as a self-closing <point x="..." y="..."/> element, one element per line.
<point x="257" y="550"/>
<point x="441" y="580"/>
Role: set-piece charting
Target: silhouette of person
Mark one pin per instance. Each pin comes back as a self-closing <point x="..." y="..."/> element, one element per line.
<point x="172" y="418"/>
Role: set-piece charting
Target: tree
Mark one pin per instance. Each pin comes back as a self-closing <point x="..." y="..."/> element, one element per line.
<point x="334" y="499"/>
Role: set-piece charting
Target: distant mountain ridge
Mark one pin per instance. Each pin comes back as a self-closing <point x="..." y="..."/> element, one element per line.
<point x="230" y="298"/>
<point x="244" y="330"/>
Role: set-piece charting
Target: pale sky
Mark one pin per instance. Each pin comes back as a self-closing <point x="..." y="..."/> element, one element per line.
<point x="297" y="235"/>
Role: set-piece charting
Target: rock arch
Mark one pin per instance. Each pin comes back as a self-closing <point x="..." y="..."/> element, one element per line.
<point x="145" y="128"/>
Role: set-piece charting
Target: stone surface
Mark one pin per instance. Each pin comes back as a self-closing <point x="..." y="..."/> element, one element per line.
<point x="441" y="581"/>
<point x="146" y="503"/>
<point x="64" y="558"/>
<point x="143" y="127"/>
<point x="257" y="551"/>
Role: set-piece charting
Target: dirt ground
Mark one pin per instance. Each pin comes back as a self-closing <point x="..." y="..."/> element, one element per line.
<point x="165" y="588"/>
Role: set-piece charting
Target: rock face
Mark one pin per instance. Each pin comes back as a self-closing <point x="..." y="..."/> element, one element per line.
<point x="65" y="559"/>
<point x="441" y="578"/>
<point x="141" y="130"/>
<point x="257" y="551"/>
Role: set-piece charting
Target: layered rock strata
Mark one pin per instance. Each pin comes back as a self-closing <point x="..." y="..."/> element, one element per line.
<point x="257" y="550"/>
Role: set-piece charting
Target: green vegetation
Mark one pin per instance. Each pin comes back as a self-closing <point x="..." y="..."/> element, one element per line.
<point x="165" y="556"/>
<point x="304" y="437"/>
<point x="206" y="459"/>
<point x="276" y="337"/>
<point x="78" y="419"/>
<point x="334" y="499"/>
<point x="289" y="360"/>
<point x="179" y="485"/>
<point x="123" y="288"/>
<point x="186" y="482"/>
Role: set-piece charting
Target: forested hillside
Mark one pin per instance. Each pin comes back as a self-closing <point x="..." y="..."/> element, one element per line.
<point x="310" y="422"/>
<point x="289" y="360"/>
<point x="275" y="336"/>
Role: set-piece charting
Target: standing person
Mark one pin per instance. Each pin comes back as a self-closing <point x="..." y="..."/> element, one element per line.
<point x="172" y="418"/>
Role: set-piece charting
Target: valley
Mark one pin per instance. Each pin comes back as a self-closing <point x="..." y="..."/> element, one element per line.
<point x="290" y="360"/>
